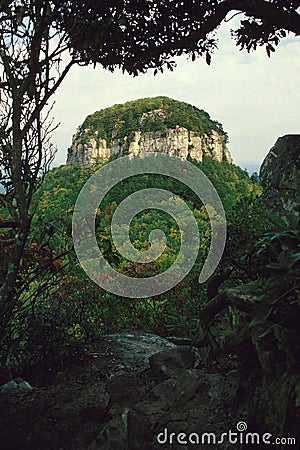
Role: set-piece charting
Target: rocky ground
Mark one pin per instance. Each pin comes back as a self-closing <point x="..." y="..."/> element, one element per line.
<point x="128" y="390"/>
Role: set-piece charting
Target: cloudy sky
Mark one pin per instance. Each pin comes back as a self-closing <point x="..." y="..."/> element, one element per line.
<point x="256" y="99"/>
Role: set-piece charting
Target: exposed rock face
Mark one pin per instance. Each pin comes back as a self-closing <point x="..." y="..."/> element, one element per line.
<point x="280" y="176"/>
<point x="179" y="142"/>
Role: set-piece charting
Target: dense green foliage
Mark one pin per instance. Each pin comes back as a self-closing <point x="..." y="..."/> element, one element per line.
<point x="62" y="186"/>
<point x="72" y="306"/>
<point x="278" y="312"/>
<point x="73" y="310"/>
<point x="147" y="114"/>
<point x="81" y="309"/>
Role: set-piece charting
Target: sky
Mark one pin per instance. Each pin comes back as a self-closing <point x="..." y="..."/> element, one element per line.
<point x="256" y="98"/>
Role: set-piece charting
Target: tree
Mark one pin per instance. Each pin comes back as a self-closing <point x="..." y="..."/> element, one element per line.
<point x="32" y="66"/>
<point x="136" y="36"/>
<point x="40" y="41"/>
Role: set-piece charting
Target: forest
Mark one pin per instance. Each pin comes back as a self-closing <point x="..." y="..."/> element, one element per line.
<point x="50" y="266"/>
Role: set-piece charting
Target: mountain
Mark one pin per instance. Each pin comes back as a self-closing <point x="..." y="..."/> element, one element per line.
<point x="158" y="124"/>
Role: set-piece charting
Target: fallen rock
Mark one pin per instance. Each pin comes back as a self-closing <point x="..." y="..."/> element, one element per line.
<point x="169" y="363"/>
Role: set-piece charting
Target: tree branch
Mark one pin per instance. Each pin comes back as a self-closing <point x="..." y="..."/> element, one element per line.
<point x="260" y="9"/>
<point x="228" y="297"/>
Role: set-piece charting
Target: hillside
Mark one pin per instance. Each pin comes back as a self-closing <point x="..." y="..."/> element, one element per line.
<point x="158" y="124"/>
<point x="237" y="334"/>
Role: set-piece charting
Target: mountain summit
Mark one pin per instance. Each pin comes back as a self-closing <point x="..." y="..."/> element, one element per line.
<point x="158" y="124"/>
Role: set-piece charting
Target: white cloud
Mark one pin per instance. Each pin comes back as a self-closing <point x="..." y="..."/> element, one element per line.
<point x="255" y="98"/>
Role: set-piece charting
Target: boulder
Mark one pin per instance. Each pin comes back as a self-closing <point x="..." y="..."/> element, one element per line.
<point x="280" y="176"/>
<point x="169" y="363"/>
<point x="124" y="389"/>
<point x="134" y="350"/>
<point x="17" y="383"/>
<point x="8" y="386"/>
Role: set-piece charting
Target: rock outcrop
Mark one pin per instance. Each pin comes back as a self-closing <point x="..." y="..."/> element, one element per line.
<point x="176" y="142"/>
<point x="157" y="124"/>
<point x="280" y="176"/>
<point x="117" y="399"/>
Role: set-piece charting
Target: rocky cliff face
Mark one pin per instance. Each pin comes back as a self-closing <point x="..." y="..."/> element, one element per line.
<point x="179" y="142"/>
<point x="279" y="176"/>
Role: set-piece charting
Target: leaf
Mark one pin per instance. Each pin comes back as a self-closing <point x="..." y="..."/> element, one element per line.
<point x="255" y="321"/>
<point x="113" y="258"/>
<point x="297" y="388"/>
<point x="276" y="220"/>
<point x="266" y="332"/>
<point x="295" y="258"/>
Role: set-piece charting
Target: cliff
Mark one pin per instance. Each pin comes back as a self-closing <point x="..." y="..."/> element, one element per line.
<point x="136" y="127"/>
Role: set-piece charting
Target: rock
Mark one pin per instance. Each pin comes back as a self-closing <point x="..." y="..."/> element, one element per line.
<point x="175" y="142"/>
<point x="169" y="363"/>
<point x="178" y="390"/>
<point x="93" y="402"/>
<point x="25" y="385"/>
<point x="192" y="401"/>
<point x="129" y="410"/>
<point x="61" y="378"/>
<point x="163" y="392"/>
<point x="124" y="396"/>
<point x="89" y="403"/>
<point x="138" y="431"/>
<point x="280" y="176"/>
<point x="113" y="435"/>
<point x="134" y="350"/>
<point x="8" y="386"/>
<point x="186" y="387"/>
<point x="120" y="131"/>
<point x="17" y="383"/>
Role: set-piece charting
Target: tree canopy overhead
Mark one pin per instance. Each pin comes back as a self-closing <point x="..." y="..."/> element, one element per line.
<point x="136" y="36"/>
<point x="147" y="34"/>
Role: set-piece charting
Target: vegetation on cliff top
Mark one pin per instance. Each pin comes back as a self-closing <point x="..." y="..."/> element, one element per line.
<point x="147" y="114"/>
